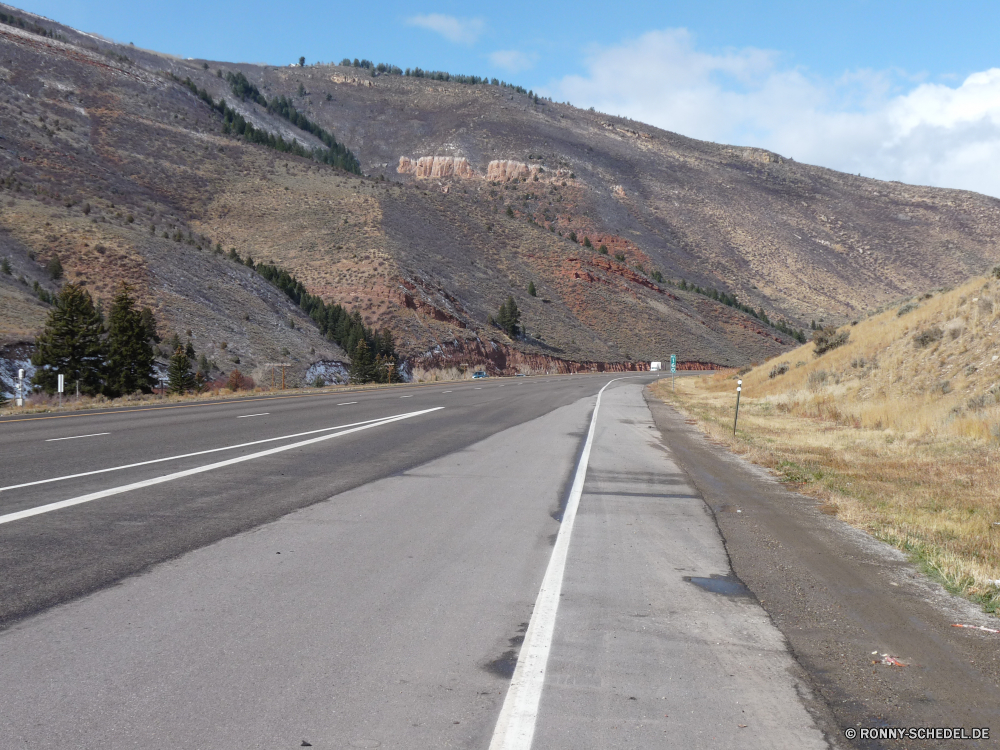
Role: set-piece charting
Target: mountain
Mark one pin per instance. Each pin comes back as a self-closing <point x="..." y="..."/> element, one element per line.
<point x="125" y="163"/>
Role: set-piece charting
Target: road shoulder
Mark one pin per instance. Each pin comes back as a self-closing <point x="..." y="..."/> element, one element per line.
<point x="642" y="656"/>
<point x="843" y="599"/>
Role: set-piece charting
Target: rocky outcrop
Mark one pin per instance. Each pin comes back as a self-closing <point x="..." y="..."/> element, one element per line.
<point x="502" y="359"/>
<point x="503" y="170"/>
<point x="436" y="166"/>
<point x="757" y="154"/>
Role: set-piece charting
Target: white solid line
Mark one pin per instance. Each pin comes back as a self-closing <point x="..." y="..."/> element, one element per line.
<point x="27" y="513"/>
<point x="247" y="416"/>
<point x="347" y="403"/>
<point x="445" y="391"/>
<point x="410" y="396"/>
<point x="76" y="437"/>
<point x="183" y="455"/>
<point x="515" y="728"/>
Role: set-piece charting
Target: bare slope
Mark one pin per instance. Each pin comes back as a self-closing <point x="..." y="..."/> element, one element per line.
<point x="431" y="248"/>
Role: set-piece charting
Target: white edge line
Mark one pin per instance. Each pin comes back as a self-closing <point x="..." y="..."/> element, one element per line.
<point x="48" y="508"/>
<point x="515" y="729"/>
<point x="247" y="416"/>
<point x="184" y="455"/>
<point x="347" y="403"/>
<point x="76" y="437"/>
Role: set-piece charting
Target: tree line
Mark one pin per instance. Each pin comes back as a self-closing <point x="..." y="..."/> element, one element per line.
<point x="730" y="300"/>
<point x="373" y="353"/>
<point x="233" y="123"/>
<point x="11" y="20"/>
<point x="114" y="359"/>
<point x="434" y="75"/>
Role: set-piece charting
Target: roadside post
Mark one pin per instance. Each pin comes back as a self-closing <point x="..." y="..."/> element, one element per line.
<point x="60" y="384"/>
<point x="739" y="387"/>
<point x="20" y="387"/>
<point x="673" y="371"/>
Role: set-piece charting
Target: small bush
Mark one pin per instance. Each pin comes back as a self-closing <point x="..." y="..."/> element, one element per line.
<point x="979" y="402"/>
<point x="237" y="381"/>
<point x="996" y="272"/>
<point x="620" y="257"/>
<point x="603" y="249"/>
<point x="818" y="378"/>
<point x="908" y="307"/>
<point x="827" y="339"/>
<point x="778" y="370"/>
<point x="926" y="338"/>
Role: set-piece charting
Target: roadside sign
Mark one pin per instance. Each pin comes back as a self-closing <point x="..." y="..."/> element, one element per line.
<point x="61" y="382"/>
<point x="673" y="363"/>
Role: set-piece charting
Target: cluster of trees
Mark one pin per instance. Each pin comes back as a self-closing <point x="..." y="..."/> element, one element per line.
<point x="11" y="20"/>
<point x="434" y="75"/>
<point x="336" y="154"/>
<point x="115" y="360"/>
<point x="508" y="319"/>
<point x="730" y="300"/>
<point x="372" y="352"/>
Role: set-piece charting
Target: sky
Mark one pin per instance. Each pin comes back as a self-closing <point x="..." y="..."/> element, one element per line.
<point x="906" y="91"/>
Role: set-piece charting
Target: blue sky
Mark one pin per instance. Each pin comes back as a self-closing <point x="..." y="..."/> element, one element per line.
<point x="895" y="90"/>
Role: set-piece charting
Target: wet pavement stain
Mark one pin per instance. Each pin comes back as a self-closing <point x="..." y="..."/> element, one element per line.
<point x="504" y="666"/>
<point x="726" y="585"/>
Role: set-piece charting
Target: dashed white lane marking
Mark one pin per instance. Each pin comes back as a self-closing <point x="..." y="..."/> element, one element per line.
<point x="48" y="508"/>
<point x="515" y="728"/>
<point x="477" y="389"/>
<point x="183" y="455"/>
<point x="445" y="391"/>
<point x="347" y="403"/>
<point x="77" y="437"/>
<point x="247" y="416"/>
<point x="410" y="396"/>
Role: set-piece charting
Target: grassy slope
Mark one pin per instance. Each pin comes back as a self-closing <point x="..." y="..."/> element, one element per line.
<point x="895" y="434"/>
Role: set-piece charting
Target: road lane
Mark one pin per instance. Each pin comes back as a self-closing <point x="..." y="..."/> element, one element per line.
<point x="52" y="559"/>
<point x="380" y="621"/>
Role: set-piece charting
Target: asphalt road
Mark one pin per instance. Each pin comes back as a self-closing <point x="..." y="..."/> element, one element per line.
<point x="375" y="585"/>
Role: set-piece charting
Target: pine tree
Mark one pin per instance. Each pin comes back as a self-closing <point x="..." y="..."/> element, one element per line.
<point x="54" y="267"/>
<point x="189" y="350"/>
<point x="179" y="377"/>
<point x="149" y="324"/>
<point x="71" y="343"/>
<point x="362" y="365"/>
<point x="531" y="289"/>
<point x="509" y="317"/>
<point x="130" y="354"/>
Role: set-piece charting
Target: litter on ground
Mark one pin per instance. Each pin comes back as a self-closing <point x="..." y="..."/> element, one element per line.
<point x="976" y="627"/>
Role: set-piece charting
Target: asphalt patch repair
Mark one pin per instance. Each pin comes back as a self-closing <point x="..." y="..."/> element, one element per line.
<point x="838" y="595"/>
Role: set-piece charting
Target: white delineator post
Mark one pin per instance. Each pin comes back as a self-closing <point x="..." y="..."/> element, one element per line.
<point x="60" y="382"/>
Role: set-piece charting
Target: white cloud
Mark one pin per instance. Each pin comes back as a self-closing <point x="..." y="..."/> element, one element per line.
<point x="512" y="60"/>
<point x="881" y="124"/>
<point x="458" y="30"/>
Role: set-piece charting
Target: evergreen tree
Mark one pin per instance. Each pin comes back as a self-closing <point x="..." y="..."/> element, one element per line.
<point x="3" y="398"/>
<point x="203" y="364"/>
<point x="71" y="343"/>
<point x="130" y="354"/>
<point x="189" y="350"/>
<point x="362" y="365"/>
<point x="149" y="324"/>
<point x="531" y="289"/>
<point x="179" y="377"/>
<point x="509" y="317"/>
<point x="54" y="267"/>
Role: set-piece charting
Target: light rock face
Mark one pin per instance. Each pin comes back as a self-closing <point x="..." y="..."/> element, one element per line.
<point x="436" y="166"/>
<point x="502" y="170"/>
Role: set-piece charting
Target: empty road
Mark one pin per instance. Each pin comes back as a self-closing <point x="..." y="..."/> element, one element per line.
<point x="484" y="564"/>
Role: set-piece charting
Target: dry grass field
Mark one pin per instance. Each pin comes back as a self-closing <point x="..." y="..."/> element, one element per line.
<point x="896" y="432"/>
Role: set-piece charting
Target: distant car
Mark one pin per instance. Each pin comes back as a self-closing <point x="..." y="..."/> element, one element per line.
<point x="478" y="374"/>
<point x="521" y="375"/>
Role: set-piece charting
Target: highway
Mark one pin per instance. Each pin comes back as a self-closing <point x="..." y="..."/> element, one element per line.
<point x="482" y="564"/>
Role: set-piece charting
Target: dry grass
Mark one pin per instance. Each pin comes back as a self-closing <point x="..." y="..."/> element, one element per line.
<point x="895" y="434"/>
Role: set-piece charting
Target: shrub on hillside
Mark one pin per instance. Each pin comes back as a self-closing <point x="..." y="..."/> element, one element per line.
<point x="237" y="381"/>
<point x="827" y="339"/>
<point x="926" y="338"/>
<point x="908" y="307"/>
<point x="778" y="370"/>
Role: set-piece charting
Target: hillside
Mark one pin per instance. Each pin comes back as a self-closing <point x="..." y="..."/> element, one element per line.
<point x="468" y="193"/>
<point x="895" y="430"/>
